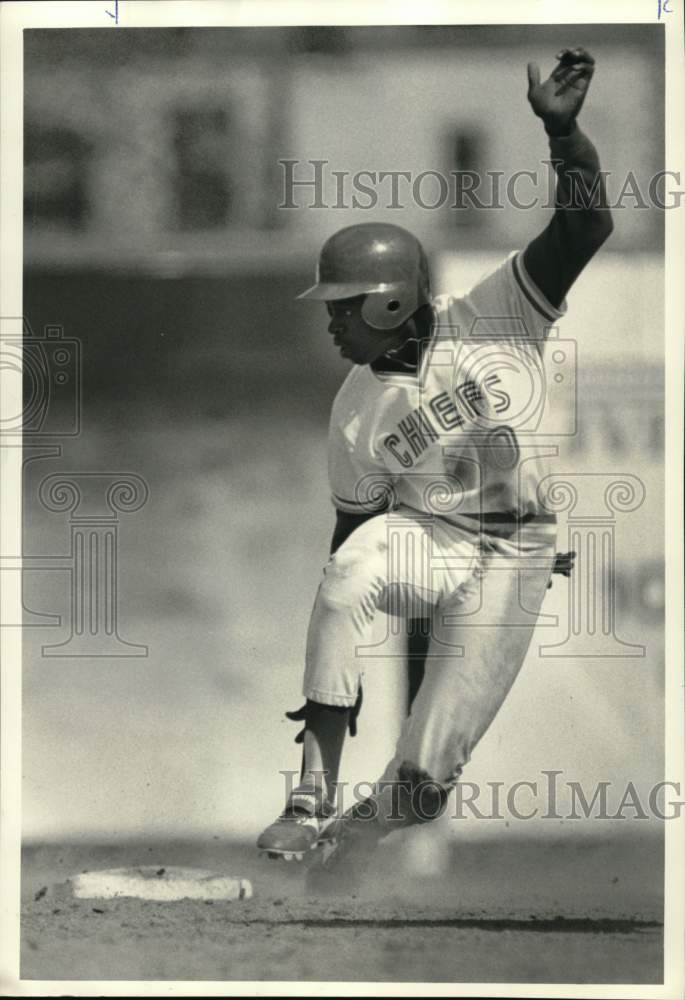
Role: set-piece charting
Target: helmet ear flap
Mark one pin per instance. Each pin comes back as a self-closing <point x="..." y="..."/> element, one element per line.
<point x="389" y="309"/>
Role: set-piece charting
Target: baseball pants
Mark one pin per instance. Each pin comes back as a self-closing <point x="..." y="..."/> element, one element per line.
<point x="482" y="592"/>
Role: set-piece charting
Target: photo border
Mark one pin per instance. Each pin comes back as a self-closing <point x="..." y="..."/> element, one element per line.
<point x="14" y="18"/>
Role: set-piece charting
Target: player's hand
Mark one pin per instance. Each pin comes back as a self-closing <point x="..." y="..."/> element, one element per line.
<point x="559" y="99"/>
<point x="564" y="563"/>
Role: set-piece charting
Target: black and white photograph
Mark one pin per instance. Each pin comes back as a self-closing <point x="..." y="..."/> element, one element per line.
<point x="341" y="560"/>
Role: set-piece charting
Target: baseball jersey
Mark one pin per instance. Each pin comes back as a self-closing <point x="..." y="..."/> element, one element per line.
<point x="462" y="434"/>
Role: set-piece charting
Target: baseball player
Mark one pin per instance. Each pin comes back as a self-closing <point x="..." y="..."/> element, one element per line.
<point x="435" y="469"/>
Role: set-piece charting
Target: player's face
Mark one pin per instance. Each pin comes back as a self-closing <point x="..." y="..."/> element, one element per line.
<point x="358" y="342"/>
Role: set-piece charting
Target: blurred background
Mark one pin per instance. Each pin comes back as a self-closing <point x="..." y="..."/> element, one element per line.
<point x="154" y="238"/>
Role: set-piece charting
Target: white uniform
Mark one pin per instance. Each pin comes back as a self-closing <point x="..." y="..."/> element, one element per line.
<point x="481" y="378"/>
<point x="428" y="449"/>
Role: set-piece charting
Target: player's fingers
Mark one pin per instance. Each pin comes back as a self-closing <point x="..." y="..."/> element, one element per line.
<point x="566" y="61"/>
<point x="578" y="54"/>
<point x="561" y="71"/>
<point x="298" y="716"/>
<point x="300" y="737"/>
<point x="571" y="80"/>
<point x="565" y="70"/>
<point x="533" y="75"/>
<point x="581" y="54"/>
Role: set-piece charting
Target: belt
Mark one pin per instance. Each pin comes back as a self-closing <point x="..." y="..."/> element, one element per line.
<point x="505" y="524"/>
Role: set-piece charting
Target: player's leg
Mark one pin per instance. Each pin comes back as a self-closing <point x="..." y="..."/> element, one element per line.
<point x="323" y="737"/>
<point x="418" y="638"/>
<point x="461" y="694"/>
<point x="390" y="564"/>
<point x="385" y="564"/>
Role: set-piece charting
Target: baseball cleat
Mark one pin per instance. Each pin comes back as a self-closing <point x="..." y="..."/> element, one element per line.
<point x="299" y="827"/>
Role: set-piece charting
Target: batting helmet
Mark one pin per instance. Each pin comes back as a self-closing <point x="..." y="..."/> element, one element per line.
<point x="381" y="261"/>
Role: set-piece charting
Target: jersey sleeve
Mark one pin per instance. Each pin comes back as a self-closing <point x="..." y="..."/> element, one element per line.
<point x="507" y="302"/>
<point x="357" y="487"/>
<point x="499" y="379"/>
<point x="359" y="483"/>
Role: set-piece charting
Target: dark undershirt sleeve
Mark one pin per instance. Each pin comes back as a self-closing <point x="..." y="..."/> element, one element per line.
<point x="581" y="221"/>
<point x="344" y="526"/>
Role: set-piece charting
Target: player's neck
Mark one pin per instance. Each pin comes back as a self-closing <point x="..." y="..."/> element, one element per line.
<point x="407" y="357"/>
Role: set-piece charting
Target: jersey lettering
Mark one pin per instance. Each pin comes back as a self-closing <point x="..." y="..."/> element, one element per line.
<point x="503" y="398"/>
<point x="445" y="412"/>
<point x="418" y="431"/>
<point x="404" y="458"/>
<point x="470" y="396"/>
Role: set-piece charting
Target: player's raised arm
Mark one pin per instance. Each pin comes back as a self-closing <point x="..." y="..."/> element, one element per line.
<point x="581" y="221"/>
